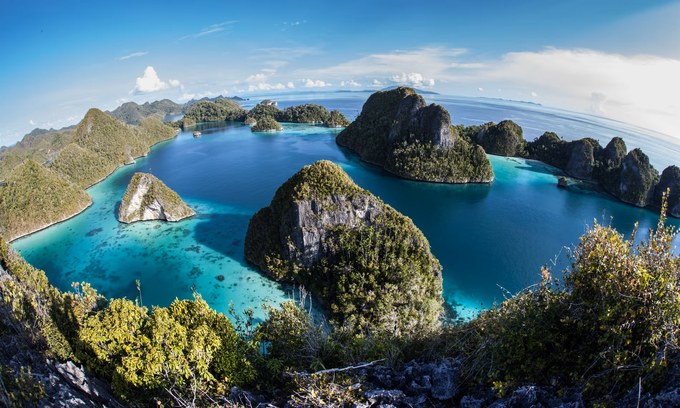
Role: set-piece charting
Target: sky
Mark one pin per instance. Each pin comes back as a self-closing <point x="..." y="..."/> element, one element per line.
<point x="614" y="58"/>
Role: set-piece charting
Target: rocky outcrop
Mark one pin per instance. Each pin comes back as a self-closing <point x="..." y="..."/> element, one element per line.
<point x="670" y="179"/>
<point x="148" y="198"/>
<point x="638" y="179"/>
<point x="266" y="124"/>
<point x="400" y="132"/>
<point x="504" y="139"/>
<point x="582" y="160"/>
<point x="360" y="258"/>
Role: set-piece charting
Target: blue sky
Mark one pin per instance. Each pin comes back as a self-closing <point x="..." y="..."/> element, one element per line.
<point x="619" y="59"/>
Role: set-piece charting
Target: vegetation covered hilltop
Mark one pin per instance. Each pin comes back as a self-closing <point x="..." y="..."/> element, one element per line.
<point x="97" y="146"/>
<point x="368" y="264"/>
<point x="398" y="131"/>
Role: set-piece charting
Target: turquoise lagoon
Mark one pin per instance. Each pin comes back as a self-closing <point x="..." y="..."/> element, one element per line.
<point x="491" y="239"/>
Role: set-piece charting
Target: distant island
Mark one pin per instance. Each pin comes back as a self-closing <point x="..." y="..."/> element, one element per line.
<point x="398" y="131"/>
<point x="132" y="113"/>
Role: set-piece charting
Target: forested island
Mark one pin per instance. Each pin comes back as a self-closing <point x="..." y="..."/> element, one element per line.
<point x="627" y="175"/>
<point x="225" y="110"/>
<point x="148" y="198"/>
<point x="97" y="147"/>
<point x="324" y="232"/>
<point x="398" y="131"/>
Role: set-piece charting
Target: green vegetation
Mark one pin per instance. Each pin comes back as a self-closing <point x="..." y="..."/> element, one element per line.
<point x="34" y="197"/>
<point x="399" y="132"/>
<point x="337" y="120"/>
<point x="133" y="114"/>
<point x="612" y="323"/>
<point x="266" y="124"/>
<point x="98" y="146"/>
<point x="378" y="275"/>
<point x="146" y="193"/>
<point x="307" y="113"/>
<point x="504" y="139"/>
<point x="219" y="111"/>
<point x="39" y="145"/>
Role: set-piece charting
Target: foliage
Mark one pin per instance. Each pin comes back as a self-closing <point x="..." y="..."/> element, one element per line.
<point x="81" y="166"/>
<point x="325" y="390"/>
<point x="614" y="320"/>
<point x="266" y="124"/>
<point x="337" y="120"/>
<point x="34" y="197"/>
<point x="186" y="349"/>
<point x="220" y="110"/>
<point x="380" y="275"/>
<point x="505" y="139"/>
<point x="398" y="131"/>
<point x="40" y="146"/>
<point x="638" y="179"/>
<point x="307" y="113"/>
<point x="19" y="389"/>
<point x="132" y="113"/>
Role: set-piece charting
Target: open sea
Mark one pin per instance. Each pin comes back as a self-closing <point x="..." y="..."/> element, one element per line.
<point x="490" y="239"/>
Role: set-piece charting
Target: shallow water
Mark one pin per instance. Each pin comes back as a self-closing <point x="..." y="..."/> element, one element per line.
<point x="489" y="238"/>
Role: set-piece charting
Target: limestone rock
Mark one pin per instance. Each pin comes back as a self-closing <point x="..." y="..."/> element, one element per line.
<point x="581" y="161"/>
<point x="323" y="231"/>
<point x="400" y="132"/>
<point x="148" y="198"/>
<point x="670" y="179"/>
<point x="638" y="179"/>
<point x="504" y="139"/>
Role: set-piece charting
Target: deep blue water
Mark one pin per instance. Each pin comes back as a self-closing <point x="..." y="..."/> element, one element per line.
<point x="489" y="238"/>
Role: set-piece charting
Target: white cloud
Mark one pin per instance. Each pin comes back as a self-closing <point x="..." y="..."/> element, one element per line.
<point x="533" y="94"/>
<point x="290" y="85"/>
<point x="376" y="84"/>
<point x="30" y="122"/>
<point x="295" y="23"/>
<point x="429" y="62"/>
<point x="640" y="89"/>
<point x="467" y="66"/>
<point x="209" y="30"/>
<point x="263" y="86"/>
<point x="134" y="54"/>
<point x="186" y="97"/>
<point x="349" y="83"/>
<point x="149" y="82"/>
<point x="597" y="101"/>
<point x="480" y="89"/>
<point x="310" y="83"/>
<point x="270" y="71"/>
<point x="121" y="101"/>
<point x="174" y="83"/>
<point x="256" y="78"/>
<point x="412" y="79"/>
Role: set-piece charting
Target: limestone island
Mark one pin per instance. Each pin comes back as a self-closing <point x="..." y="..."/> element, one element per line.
<point x="266" y="124"/>
<point x="366" y="263"/>
<point x="148" y="198"/>
<point x="398" y="131"/>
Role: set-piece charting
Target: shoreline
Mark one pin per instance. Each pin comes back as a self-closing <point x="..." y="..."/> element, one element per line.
<point x="85" y="189"/>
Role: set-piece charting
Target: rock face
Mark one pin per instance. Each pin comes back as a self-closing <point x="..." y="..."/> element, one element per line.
<point x="670" y="179"/>
<point x="638" y="179"/>
<point x="504" y="139"/>
<point x="365" y="262"/>
<point x="147" y="198"/>
<point x="581" y="161"/>
<point x="400" y="132"/>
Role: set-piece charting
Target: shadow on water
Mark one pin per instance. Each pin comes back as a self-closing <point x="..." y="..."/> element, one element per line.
<point x="116" y="208"/>
<point x="223" y="233"/>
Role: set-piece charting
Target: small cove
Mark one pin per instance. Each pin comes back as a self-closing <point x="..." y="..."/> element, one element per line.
<point x="489" y="238"/>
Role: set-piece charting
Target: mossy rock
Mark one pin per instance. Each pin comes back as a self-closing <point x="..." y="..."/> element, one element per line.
<point x="400" y="132"/>
<point x="504" y="139"/>
<point x="148" y="198"/>
<point x="367" y="264"/>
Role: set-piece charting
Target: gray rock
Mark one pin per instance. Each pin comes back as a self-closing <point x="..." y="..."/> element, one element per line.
<point x="445" y="381"/>
<point x="581" y="161"/>
<point x="384" y="396"/>
<point x="148" y="198"/>
<point x="471" y="402"/>
<point x="315" y="219"/>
